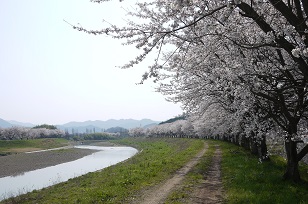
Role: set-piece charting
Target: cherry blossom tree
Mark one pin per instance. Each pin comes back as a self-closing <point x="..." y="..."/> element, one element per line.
<point x="188" y="129"/>
<point x="136" y="132"/>
<point x="21" y="133"/>
<point x="240" y="54"/>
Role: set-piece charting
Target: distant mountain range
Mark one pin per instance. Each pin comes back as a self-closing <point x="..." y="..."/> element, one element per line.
<point x="11" y="123"/>
<point x="5" y="124"/>
<point x="16" y="123"/>
<point x="97" y="125"/>
<point x="125" y="123"/>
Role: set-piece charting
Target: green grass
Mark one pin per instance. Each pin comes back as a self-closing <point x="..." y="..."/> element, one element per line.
<point x="11" y="146"/>
<point x="157" y="160"/>
<point x="248" y="181"/>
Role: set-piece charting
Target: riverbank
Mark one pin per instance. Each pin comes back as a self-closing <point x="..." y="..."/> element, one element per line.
<point x="19" y="163"/>
<point x="245" y="179"/>
<point x="159" y="159"/>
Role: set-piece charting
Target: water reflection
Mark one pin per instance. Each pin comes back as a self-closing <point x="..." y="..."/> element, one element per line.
<point x="33" y="180"/>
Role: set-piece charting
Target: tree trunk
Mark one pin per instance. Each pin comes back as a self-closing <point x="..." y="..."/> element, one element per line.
<point x="236" y="139"/>
<point x="245" y="142"/>
<point x="262" y="150"/>
<point x="292" y="172"/>
<point x="253" y="145"/>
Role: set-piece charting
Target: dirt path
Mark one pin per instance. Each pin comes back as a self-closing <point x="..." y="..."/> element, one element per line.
<point x="159" y="194"/>
<point x="210" y="191"/>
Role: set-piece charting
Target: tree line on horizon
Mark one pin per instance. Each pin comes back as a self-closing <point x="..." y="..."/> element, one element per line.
<point x="51" y="131"/>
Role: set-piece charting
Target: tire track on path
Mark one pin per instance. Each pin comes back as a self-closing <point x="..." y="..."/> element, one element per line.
<point x="211" y="190"/>
<point x="159" y="194"/>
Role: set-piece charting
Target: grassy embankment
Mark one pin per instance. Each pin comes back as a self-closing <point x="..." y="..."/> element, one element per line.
<point x="17" y="146"/>
<point x="157" y="160"/>
<point x="248" y="181"/>
<point x="245" y="180"/>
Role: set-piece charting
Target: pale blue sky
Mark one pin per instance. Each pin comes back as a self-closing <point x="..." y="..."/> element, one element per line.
<point x="50" y="73"/>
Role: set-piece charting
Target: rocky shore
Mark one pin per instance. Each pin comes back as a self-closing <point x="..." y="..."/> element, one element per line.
<point x="19" y="163"/>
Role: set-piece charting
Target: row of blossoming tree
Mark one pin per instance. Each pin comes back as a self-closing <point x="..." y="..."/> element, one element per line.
<point x="244" y="60"/>
<point x="22" y="133"/>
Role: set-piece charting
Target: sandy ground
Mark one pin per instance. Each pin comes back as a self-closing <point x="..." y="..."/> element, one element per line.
<point x="19" y="163"/>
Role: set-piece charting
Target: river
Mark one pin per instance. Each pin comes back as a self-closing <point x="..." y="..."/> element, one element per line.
<point x="11" y="186"/>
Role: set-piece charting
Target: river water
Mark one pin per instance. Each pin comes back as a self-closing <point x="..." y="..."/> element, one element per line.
<point x="34" y="180"/>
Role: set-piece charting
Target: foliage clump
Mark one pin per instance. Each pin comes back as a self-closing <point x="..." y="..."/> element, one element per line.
<point x="50" y="127"/>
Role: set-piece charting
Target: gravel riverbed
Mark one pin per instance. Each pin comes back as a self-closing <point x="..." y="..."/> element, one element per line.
<point x="16" y="164"/>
